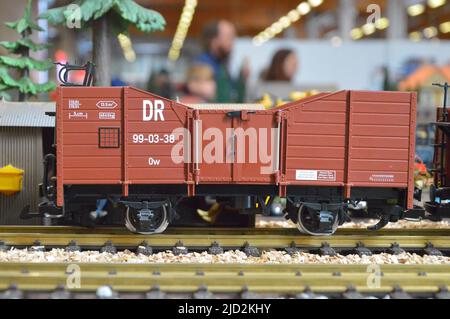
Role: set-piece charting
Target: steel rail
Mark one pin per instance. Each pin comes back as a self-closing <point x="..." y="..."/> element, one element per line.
<point x="225" y="231"/>
<point x="226" y="278"/>
<point x="231" y="240"/>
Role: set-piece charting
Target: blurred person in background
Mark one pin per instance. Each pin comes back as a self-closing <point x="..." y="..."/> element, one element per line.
<point x="161" y="84"/>
<point x="200" y="85"/>
<point x="283" y="67"/>
<point x="275" y="85"/>
<point x="218" y="41"/>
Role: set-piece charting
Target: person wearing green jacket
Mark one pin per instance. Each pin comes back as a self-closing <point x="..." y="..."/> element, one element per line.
<point x="218" y="40"/>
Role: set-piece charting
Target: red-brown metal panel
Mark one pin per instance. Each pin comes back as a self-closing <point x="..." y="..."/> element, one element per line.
<point x="376" y="115"/>
<point x="236" y="149"/>
<point x="213" y="147"/>
<point x="412" y="149"/>
<point x="59" y="150"/>
<point x="125" y="181"/>
<point x="316" y="146"/>
<point x="343" y="139"/>
<point x="82" y="113"/>
<point x="150" y="139"/>
<point x="349" y="143"/>
<point x="353" y="139"/>
<point x="256" y="154"/>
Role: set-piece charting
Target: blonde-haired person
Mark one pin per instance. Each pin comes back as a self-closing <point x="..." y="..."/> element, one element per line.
<point x="200" y="85"/>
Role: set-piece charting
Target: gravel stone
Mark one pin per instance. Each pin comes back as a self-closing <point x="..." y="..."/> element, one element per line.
<point x="402" y="224"/>
<point x="228" y="257"/>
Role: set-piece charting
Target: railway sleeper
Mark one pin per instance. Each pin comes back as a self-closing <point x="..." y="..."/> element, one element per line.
<point x="155" y="293"/>
<point x="180" y="249"/>
<point x="73" y="246"/>
<point x="144" y="249"/>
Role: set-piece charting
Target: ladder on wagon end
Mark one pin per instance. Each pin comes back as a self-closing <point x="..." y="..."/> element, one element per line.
<point x="444" y="127"/>
<point x="439" y="205"/>
<point x="48" y="206"/>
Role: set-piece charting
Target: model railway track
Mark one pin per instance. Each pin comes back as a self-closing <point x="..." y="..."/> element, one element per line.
<point x="197" y="280"/>
<point x="202" y="239"/>
<point x="224" y="231"/>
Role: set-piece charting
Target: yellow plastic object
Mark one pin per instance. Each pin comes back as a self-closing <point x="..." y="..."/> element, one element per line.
<point x="297" y="95"/>
<point x="10" y="180"/>
<point x="281" y="102"/>
<point x="266" y="101"/>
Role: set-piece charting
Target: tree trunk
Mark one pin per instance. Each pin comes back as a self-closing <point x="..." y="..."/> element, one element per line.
<point x="25" y="73"/>
<point x="101" y="36"/>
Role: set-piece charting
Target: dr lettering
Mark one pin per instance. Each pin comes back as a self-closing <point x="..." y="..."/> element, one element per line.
<point x="152" y="111"/>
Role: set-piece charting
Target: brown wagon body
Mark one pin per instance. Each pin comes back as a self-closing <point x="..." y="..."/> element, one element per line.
<point x="345" y="139"/>
<point x="350" y="141"/>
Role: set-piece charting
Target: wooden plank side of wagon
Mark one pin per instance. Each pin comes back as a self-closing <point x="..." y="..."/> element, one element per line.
<point x="88" y="135"/>
<point x="78" y="119"/>
<point x="386" y="122"/>
<point x="150" y="133"/>
<point x="315" y="140"/>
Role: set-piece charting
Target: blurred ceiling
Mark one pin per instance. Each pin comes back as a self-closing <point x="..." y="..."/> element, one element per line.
<point x="253" y="16"/>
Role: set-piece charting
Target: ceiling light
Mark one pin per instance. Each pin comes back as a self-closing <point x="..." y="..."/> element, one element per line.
<point x="315" y="3"/>
<point x="382" y="23"/>
<point x="356" y="34"/>
<point x="416" y="9"/>
<point x="304" y="8"/>
<point x="415" y="36"/>
<point x="445" y="27"/>
<point x="336" y="41"/>
<point x="182" y="29"/>
<point x="430" y="32"/>
<point x="368" y="28"/>
<point x="436" y="3"/>
<point x="293" y="15"/>
<point x="285" y="21"/>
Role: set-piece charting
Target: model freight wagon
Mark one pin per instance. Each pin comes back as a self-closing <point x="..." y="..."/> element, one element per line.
<point x="123" y="149"/>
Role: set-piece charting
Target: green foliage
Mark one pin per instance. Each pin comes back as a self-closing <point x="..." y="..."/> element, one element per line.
<point x="24" y="23"/>
<point x="128" y="12"/>
<point x="6" y="79"/>
<point x="3" y="94"/>
<point x="17" y="46"/>
<point x="22" y="62"/>
<point x="26" y="63"/>
<point x="54" y="16"/>
<point x="27" y="86"/>
<point x="144" y="19"/>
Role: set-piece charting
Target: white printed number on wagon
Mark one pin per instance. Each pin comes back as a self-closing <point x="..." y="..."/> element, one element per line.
<point x="154" y="138"/>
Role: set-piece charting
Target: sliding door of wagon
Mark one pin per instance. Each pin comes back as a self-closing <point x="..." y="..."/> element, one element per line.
<point x="150" y="124"/>
<point x="213" y="146"/>
<point x="257" y="148"/>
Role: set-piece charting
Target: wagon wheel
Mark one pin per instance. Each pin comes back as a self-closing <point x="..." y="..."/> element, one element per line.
<point x="155" y="225"/>
<point x="307" y="222"/>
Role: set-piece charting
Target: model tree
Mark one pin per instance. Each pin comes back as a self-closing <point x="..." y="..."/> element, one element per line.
<point x="107" y="17"/>
<point x="21" y="60"/>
